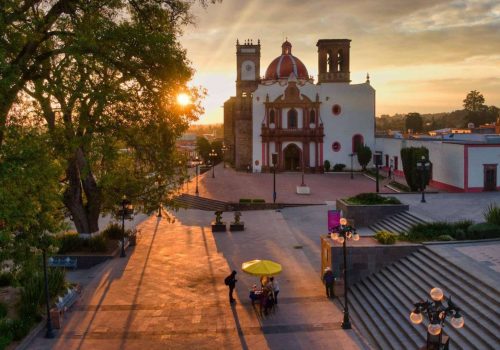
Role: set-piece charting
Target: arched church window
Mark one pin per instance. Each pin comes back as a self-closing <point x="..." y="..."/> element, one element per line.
<point x="292" y="119"/>
<point x="272" y="116"/>
<point x="312" y="117"/>
<point x="357" y="142"/>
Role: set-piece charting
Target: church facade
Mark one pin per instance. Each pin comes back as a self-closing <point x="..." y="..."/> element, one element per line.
<point x="284" y="116"/>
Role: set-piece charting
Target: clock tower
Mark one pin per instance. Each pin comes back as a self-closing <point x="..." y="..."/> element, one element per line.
<point x="247" y="67"/>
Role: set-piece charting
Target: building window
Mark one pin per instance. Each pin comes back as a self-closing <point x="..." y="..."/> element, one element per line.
<point x="336" y="110"/>
<point x="271" y="116"/>
<point x="336" y="146"/>
<point x="292" y="119"/>
<point x="357" y="141"/>
<point x="312" y="117"/>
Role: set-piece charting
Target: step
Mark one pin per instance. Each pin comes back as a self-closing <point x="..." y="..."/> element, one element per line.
<point x="387" y="312"/>
<point x="458" y="339"/>
<point x="360" y="308"/>
<point x="490" y="292"/>
<point x="412" y="218"/>
<point x="397" y="304"/>
<point x="472" y="334"/>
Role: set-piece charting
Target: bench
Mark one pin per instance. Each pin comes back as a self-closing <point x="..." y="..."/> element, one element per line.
<point x="62" y="305"/>
<point x="62" y="261"/>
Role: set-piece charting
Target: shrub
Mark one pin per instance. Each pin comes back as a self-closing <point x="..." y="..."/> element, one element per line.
<point x="4" y="340"/>
<point x="258" y="200"/>
<point x="19" y="328"/>
<point x="364" y="155"/>
<point x="445" y="238"/>
<point x="338" y="167"/>
<point x="70" y="242"/>
<point x="434" y="230"/>
<point x="372" y="198"/>
<point x="410" y="156"/>
<point x="3" y="310"/>
<point x="113" y="231"/>
<point x="245" y="200"/>
<point x="385" y="237"/>
<point x="97" y="244"/>
<point x="327" y="165"/>
<point x="492" y="214"/>
<point x="483" y="230"/>
<point x="6" y="279"/>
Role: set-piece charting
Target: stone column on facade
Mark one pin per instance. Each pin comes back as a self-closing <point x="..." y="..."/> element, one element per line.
<point x="306" y="155"/>
<point x="316" y="154"/>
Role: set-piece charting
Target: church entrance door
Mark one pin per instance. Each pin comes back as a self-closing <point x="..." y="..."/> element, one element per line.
<point x="292" y="154"/>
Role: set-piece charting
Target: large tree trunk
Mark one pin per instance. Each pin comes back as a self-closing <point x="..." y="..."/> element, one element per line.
<point x="82" y="182"/>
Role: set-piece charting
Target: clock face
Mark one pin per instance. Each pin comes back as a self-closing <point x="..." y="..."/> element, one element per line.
<point x="248" y="70"/>
<point x="248" y="67"/>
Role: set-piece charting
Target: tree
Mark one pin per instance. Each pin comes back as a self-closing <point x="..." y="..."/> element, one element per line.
<point x="217" y="147"/>
<point x="364" y="155"/>
<point x="107" y="94"/>
<point x="203" y="147"/>
<point x="474" y="101"/>
<point x="409" y="157"/>
<point x="414" y="122"/>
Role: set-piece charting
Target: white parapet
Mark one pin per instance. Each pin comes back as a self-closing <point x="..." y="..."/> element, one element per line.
<point x="303" y="190"/>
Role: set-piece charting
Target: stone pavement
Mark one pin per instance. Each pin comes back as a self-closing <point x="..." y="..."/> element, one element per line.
<point x="230" y="185"/>
<point x="169" y="293"/>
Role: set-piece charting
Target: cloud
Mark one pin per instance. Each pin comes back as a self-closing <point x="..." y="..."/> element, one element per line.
<point x="453" y="42"/>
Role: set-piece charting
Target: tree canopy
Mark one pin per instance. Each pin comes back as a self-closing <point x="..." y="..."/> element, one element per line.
<point x="414" y="122"/>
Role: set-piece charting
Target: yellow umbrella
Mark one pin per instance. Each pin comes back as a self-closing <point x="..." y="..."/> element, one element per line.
<point x="261" y="267"/>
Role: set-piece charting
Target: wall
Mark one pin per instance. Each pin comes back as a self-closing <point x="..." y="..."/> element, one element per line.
<point x="477" y="156"/>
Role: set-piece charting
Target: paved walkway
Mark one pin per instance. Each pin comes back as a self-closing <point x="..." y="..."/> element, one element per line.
<point x="231" y="185"/>
<point x="169" y="293"/>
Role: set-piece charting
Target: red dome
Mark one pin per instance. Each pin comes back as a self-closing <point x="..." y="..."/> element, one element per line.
<point x="286" y="64"/>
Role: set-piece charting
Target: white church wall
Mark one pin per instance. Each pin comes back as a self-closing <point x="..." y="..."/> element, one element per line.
<point x="477" y="156"/>
<point x="357" y="103"/>
<point x="312" y="154"/>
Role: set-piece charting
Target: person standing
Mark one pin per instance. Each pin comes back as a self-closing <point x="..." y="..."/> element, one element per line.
<point x="329" y="279"/>
<point x="230" y="281"/>
<point x="276" y="288"/>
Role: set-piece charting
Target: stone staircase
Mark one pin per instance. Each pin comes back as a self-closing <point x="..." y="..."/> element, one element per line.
<point x="398" y="223"/>
<point x="195" y="202"/>
<point x="380" y="305"/>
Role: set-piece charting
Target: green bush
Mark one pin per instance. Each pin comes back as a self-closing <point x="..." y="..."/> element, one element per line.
<point x="6" y="279"/>
<point x="433" y="230"/>
<point x="113" y="232"/>
<point x="385" y="237"/>
<point x="327" y="165"/>
<point x="364" y="155"/>
<point x="483" y="230"/>
<point x="371" y="199"/>
<point x="410" y="156"/>
<point x="3" y="310"/>
<point x="492" y="214"/>
<point x="71" y="242"/>
<point x="258" y="200"/>
<point x="19" y="328"/>
<point x="4" y="341"/>
<point x="445" y="238"/>
<point x="338" y="167"/>
<point x="245" y="200"/>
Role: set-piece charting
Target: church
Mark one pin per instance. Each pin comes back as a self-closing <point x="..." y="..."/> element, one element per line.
<point x="285" y="118"/>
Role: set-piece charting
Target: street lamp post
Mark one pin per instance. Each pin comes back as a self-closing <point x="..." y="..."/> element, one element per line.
<point x="423" y="167"/>
<point x="124" y="211"/>
<point x="159" y="204"/>
<point x="352" y="164"/>
<point x="275" y="162"/>
<point x="212" y="155"/>
<point x="342" y="233"/>
<point x="224" y="149"/>
<point x="50" y="331"/>
<point x="437" y="312"/>
<point x="197" y="164"/>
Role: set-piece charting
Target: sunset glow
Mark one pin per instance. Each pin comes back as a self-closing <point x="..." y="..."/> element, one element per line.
<point x="422" y="56"/>
<point x="183" y="99"/>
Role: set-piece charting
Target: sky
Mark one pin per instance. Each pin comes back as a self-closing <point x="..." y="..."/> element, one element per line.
<point x="422" y="55"/>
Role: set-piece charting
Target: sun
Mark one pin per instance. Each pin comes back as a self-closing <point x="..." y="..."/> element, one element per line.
<point x="183" y="99"/>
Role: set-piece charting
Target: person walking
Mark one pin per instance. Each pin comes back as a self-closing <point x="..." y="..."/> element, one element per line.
<point x="329" y="279"/>
<point x="275" y="288"/>
<point x="230" y="281"/>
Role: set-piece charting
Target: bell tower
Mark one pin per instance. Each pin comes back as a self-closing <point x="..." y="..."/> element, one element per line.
<point x="247" y="67"/>
<point x="333" y="60"/>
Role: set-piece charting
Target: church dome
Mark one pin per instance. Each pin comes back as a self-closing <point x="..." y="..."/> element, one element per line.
<point x="286" y="64"/>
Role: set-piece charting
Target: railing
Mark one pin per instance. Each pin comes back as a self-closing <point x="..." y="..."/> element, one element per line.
<point x="273" y="132"/>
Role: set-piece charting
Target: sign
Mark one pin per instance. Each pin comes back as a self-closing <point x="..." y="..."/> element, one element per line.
<point x="333" y="219"/>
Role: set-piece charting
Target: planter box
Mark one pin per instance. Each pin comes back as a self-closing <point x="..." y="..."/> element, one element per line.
<point x="237" y="227"/>
<point x="365" y="215"/>
<point x="218" y="227"/>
